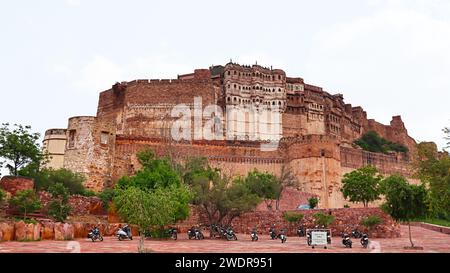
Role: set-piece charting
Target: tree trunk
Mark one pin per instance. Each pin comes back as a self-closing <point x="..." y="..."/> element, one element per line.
<point x="141" y="243"/>
<point x="410" y="239"/>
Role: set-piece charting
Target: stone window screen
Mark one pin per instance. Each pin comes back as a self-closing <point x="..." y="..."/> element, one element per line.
<point x="104" y="138"/>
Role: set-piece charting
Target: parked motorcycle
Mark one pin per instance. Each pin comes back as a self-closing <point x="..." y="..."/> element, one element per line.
<point x="254" y="235"/>
<point x="273" y="232"/>
<point x="356" y="234"/>
<point x="173" y="232"/>
<point x="301" y="231"/>
<point x="365" y="240"/>
<point x="230" y="234"/>
<point x="124" y="233"/>
<point x="282" y="236"/>
<point x="328" y="237"/>
<point x="308" y="237"/>
<point x="346" y="241"/>
<point x="195" y="233"/>
<point x="94" y="234"/>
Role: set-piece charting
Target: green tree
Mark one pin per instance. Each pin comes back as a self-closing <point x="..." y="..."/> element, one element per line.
<point x="158" y="173"/>
<point x="19" y="147"/>
<point x="362" y="185"/>
<point x="403" y="201"/>
<point x="313" y="202"/>
<point x="434" y="172"/>
<point x="45" y="178"/>
<point x="25" y="201"/>
<point x="373" y="142"/>
<point x="264" y="185"/>
<point x="155" y="173"/>
<point x="216" y="195"/>
<point x="147" y="209"/>
<point x="59" y="208"/>
<point x="323" y="219"/>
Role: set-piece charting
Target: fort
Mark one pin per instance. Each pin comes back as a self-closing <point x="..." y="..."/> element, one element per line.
<point x="315" y="140"/>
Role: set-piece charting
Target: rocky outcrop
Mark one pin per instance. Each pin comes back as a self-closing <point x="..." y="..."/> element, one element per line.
<point x="47" y="230"/>
<point x="81" y="205"/>
<point x="27" y="232"/>
<point x="13" y="184"/>
<point x="6" y="231"/>
<point x="63" y="231"/>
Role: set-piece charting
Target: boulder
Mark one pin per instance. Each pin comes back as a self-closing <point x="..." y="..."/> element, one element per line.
<point x="27" y="232"/>
<point x="6" y="231"/>
<point x="47" y="230"/>
<point x="13" y="184"/>
<point x="64" y="231"/>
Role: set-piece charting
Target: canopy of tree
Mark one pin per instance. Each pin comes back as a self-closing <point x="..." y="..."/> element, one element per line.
<point x="372" y="142"/>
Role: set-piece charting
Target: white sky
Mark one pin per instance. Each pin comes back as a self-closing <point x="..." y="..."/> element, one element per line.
<point x="390" y="57"/>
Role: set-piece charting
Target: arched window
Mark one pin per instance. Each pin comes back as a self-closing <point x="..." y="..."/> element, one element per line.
<point x="228" y="99"/>
<point x="273" y="103"/>
<point x="235" y="72"/>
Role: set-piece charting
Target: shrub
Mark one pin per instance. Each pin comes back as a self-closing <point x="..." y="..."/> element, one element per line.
<point x="371" y="221"/>
<point x="313" y="201"/>
<point x="59" y="208"/>
<point x="293" y="217"/>
<point x="71" y="180"/>
<point x="25" y="201"/>
<point x="107" y="196"/>
<point x="323" y="219"/>
<point x="88" y="193"/>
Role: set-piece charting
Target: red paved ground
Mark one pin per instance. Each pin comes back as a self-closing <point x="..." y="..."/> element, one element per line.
<point x="431" y="241"/>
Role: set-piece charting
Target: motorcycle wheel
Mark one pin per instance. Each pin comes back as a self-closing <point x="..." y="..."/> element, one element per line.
<point x="93" y="239"/>
<point x="256" y="239"/>
<point x="101" y="238"/>
<point x="131" y="237"/>
<point x="235" y="237"/>
<point x="120" y="238"/>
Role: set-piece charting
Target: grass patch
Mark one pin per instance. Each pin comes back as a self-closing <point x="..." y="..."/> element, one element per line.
<point x="439" y="222"/>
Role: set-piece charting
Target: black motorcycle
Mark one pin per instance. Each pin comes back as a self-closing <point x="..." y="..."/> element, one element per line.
<point x="173" y="232"/>
<point x="254" y="235"/>
<point x="195" y="233"/>
<point x="301" y="231"/>
<point x="230" y="234"/>
<point x="273" y="233"/>
<point x="346" y="241"/>
<point x="94" y="234"/>
<point x="308" y="237"/>
<point x="365" y="240"/>
<point x="356" y="234"/>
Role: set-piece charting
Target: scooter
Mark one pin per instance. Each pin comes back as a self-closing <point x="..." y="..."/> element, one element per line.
<point x="282" y="236"/>
<point x="94" y="234"/>
<point x="346" y="241"/>
<point x="365" y="240"/>
<point x="254" y="235"/>
<point x="124" y="233"/>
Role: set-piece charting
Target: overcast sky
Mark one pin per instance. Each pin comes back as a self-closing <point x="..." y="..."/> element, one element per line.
<point x="390" y="57"/>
